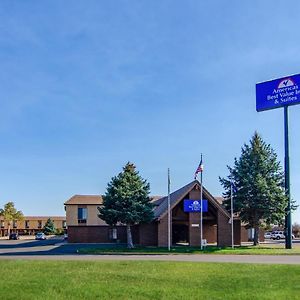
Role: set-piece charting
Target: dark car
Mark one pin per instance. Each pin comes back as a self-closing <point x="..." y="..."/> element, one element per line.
<point x="13" y="236"/>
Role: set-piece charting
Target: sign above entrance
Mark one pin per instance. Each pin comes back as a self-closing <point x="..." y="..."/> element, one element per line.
<point x="278" y="93"/>
<point x="195" y="205"/>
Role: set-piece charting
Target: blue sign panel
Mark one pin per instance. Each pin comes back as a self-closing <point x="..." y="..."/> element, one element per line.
<point x="195" y="206"/>
<point x="277" y="93"/>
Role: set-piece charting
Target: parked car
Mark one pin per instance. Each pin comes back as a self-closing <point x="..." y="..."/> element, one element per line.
<point x="14" y="236"/>
<point x="277" y="235"/>
<point x="268" y="235"/>
<point x="40" y="236"/>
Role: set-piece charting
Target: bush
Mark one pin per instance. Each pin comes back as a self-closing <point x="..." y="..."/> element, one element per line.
<point x="59" y="231"/>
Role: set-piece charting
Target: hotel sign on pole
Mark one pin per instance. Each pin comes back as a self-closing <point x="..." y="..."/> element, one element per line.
<point x="278" y="93"/>
<point x="281" y="92"/>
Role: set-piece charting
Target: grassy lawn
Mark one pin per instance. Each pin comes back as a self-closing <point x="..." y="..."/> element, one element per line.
<point x="241" y="250"/>
<point x="146" y="280"/>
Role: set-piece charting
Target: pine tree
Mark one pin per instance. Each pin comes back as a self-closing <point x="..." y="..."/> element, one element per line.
<point x="260" y="198"/>
<point x="49" y="227"/>
<point x="127" y="201"/>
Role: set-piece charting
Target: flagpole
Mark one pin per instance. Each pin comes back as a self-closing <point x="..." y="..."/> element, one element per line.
<point x="231" y="204"/>
<point x="201" y="211"/>
<point x="169" y="213"/>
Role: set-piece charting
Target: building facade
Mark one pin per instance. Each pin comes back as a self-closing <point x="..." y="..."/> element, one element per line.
<point x="84" y="225"/>
<point x="29" y="225"/>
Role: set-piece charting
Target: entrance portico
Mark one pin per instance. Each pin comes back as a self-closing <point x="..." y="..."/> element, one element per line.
<point x="185" y="227"/>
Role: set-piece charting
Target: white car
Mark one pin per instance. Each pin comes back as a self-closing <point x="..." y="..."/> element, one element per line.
<point x="277" y="235"/>
<point x="268" y="235"/>
<point x="40" y="236"/>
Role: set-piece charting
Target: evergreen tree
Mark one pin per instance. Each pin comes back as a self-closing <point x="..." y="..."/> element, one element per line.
<point x="127" y="201"/>
<point x="49" y="227"/>
<point x="260" y="198"/>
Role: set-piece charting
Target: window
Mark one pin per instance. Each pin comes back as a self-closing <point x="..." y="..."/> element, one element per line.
<point x="14" y="224"/>
<point x="82" y="215"/>
<point x="2" y="224"/>
<point x="40" y="224"/>
<point x="64" y="224"/>
<point x="26" y="224"/>
<point x="112" y="234"/>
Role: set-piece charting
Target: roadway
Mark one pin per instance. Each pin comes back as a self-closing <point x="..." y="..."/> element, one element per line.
<point x="57" y="249"/>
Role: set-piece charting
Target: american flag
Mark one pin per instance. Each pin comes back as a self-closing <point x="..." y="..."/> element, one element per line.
<point x="199" y="169"/>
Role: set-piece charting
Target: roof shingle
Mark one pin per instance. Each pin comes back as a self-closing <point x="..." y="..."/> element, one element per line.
<point x="85" y="199"/>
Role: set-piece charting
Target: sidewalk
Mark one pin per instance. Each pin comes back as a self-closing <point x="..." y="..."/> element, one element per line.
<point x="255" y="259"/>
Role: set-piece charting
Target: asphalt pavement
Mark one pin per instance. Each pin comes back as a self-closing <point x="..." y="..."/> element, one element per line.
<point x="57" y="249"/>
<point x="50" y="246"/>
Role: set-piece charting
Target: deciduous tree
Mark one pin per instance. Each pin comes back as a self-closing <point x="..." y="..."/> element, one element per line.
<point x="296" y="229"/>
<point x="10" y="214"/>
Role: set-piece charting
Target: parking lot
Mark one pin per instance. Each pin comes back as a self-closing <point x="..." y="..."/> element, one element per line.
<point x="51" y="246"/>
<point x="28" y="245"/>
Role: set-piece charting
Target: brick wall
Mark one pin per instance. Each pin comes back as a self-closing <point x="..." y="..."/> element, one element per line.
<point x="148" y="234"/>
<point x="210" y="232"/>
<point x="261" y="235"/>
<point x="94" y="234"/>
<point x="145" y="234"/>
<point x="224" y="230"/>
<point x="237" y="232"/>
<point x="194" y="232"/>
<point x="244" y="234"/>
<point x="162" y="232"/>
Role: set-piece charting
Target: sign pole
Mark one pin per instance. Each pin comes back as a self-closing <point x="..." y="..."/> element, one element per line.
<point x="201" y="211"/>
<point x="169" y="213"/>
<point x="231" y="204"/>
<point x="288" y="217"/>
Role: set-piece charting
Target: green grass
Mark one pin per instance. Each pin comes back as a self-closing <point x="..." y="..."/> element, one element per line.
<point x="241" y="250"/>
<point x="146" y="280"/>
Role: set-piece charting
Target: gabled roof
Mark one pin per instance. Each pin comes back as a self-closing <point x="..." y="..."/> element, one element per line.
<point x="155" y="199"/>
<point x="175" y="197"/>
<point x="98" y="200"/>
<point x="161" y="209"/>
<point x="220" y="199"/>
<point x="85" y="199"/>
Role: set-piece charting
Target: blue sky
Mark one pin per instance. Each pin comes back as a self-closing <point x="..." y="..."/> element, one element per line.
<point x="86" y="86"/>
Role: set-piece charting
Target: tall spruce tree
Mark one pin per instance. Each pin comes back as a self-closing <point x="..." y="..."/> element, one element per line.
<point x="127" y="201"/>
<point x="260" y="198"/>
